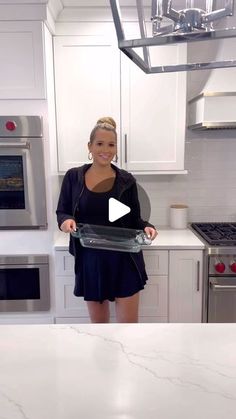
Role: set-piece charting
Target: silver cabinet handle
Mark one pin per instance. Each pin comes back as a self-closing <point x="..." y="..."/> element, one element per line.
<point x="198" y="275"/>
<point x="216" y="287"/>
<point x="15" y="145"/>
<point x="125" y="148"/>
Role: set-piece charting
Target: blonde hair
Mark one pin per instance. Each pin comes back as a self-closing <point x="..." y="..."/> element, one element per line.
<point x="107" y="123"/>
<point x="107" y="120"/>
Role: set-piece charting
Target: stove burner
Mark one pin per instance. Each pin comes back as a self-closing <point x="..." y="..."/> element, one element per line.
<point x="214" y="235"/>
<point x="219" y="234"/>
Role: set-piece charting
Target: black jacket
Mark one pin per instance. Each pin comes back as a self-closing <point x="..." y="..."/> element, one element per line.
<point x="72" y="188"/>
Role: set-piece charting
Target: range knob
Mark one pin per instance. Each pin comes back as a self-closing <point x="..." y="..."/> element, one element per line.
<point x="10" y="125"/>
<point x="220" y="267"/>
<point x="233" y="266"/>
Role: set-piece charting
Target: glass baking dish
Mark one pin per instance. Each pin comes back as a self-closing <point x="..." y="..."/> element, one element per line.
<point x="111" y="238"/>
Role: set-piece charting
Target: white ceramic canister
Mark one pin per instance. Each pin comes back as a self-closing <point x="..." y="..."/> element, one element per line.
<point x="178" y="216"/>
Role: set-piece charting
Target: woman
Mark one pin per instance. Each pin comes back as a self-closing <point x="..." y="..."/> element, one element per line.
<point x="103" y="275"/>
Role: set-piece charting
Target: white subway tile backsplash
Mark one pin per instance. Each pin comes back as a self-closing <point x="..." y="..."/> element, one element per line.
<point x="209" y="188"/>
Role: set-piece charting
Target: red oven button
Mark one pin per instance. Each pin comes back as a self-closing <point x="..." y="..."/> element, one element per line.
<point x="233" y="267"/>
<point x="220" y="267"/>
<point x="10" y="125"/>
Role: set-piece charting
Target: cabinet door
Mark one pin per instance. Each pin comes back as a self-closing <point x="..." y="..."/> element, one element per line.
<point x="67" y="305"/>
<point x="87" y="80"/>
<point x="185" y="286"/>
<point x="64" y="263"/>
<point x="22" y="69"/>
<point x="153" y="299"/>
<point x="153" y="115"/>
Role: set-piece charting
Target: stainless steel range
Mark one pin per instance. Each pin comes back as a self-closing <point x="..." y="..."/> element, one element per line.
<point x="219" y="285"/>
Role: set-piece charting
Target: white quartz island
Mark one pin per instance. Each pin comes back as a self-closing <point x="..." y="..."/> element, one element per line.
<point x="129" y="371"/>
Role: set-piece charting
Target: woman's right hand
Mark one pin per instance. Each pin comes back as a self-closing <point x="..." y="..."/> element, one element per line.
<point x="68" y="226"/>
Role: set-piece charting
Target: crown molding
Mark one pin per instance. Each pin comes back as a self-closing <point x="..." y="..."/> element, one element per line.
<point x="55" y="7"/>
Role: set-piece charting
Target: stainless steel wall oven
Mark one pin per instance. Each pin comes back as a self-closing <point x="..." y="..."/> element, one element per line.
<point x="24" y="283"/>
<point x="22" y="173"/>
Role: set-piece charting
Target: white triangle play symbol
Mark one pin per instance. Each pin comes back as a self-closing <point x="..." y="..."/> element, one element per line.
<point x="116" y="209"/>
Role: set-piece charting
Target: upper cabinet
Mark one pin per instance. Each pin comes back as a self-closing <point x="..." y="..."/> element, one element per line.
<point x="153" y="114"/>
<point x="87" y="79"/>
<point x="94" y="79"/>
<point x="22" y="69"/>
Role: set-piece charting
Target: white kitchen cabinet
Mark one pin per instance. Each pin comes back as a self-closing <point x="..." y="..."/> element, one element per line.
<point x="22" y="69"/>
<point x="153" y="114"/>
<point x="153" y="299"/>
<point x="185" y="286"/>
<point x="67" y="305"/>
<point x="93" y="79"/>
<point x="87" y="82"/>
<point x="25" y="319"/>
<point x="71" y="320"/>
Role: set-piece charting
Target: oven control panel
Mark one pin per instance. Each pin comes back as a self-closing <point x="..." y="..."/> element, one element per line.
<point x="222" y="265"/>
<point x="12" y="126"/>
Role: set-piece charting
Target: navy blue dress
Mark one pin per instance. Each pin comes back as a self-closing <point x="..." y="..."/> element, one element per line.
<point x="103" y="274"/>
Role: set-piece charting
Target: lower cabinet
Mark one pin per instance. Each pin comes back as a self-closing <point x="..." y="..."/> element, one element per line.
<point x="67" y="305"/>
<point x="185" y="286"/>
<point x="153" y="299"/>
<point x="25" y="319"/>
<point x="173" y="292"/>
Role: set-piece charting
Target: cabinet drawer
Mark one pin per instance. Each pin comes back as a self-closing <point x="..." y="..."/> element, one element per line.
<point x="156" y="262"/>
<point x="64" y="263"/>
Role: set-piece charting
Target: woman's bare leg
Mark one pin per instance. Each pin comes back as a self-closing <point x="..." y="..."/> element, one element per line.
<point x="99" y="312"/>
<point x="127" y="309"/>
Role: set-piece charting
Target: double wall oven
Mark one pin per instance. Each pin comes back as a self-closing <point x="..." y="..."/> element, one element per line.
<point x="219" y="281"/>
<point x="24" y="279"/>
<point x="22" y="174"/>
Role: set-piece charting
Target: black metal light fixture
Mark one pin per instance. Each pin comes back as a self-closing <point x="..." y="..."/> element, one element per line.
<point x="172" y="26"/>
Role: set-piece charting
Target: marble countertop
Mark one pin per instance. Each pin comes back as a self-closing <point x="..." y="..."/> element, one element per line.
<point x="128" y="371"/>
<point x="167" y="239"/>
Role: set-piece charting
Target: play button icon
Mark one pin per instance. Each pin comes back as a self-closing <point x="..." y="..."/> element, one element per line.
<point x="116" y="209"/>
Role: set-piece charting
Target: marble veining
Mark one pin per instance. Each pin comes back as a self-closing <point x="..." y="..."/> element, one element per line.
<point x="13" y="406"/>
<point x="174" y="380"/>
<point x="118" y="371"/>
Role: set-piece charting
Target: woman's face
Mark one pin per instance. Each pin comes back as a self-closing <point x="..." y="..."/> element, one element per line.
<point x="103" y="147"/>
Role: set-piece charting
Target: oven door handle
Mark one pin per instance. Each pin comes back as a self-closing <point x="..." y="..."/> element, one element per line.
<point x="217" y="287"/>
<point x="15" y="145"/>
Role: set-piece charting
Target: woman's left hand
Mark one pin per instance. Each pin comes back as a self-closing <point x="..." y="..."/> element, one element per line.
<point x="151" y="232"/>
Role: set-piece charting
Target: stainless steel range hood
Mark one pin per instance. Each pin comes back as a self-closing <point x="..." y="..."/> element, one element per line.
<point x="212" y="110"/>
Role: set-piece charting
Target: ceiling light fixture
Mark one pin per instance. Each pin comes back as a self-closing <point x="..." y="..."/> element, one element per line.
<point x="171" y="26"/>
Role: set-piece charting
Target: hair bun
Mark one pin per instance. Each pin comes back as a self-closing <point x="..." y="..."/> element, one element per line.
<point x="107" y="120"/>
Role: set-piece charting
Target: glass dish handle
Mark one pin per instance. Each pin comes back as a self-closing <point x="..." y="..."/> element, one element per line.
<point x="144" y="239"/>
